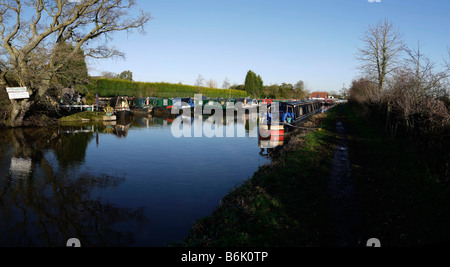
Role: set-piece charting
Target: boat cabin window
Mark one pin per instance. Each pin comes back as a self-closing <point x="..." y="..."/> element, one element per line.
<point x="122" y="103"/>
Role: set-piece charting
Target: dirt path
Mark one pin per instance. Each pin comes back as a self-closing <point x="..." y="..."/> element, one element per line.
<point x="345" y="211"/>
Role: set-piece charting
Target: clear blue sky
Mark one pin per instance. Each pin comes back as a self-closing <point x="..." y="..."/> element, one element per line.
<point x="281" y="40"/>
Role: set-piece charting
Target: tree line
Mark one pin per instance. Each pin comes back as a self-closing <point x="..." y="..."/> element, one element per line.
<point x="254" y="86"/>
<point x="124" y="75"/>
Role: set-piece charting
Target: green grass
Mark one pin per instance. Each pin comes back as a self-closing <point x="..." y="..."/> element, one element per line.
<point x="401" y="199"/>
<point x="84" y="116"/>
<point x="286" y="204"/>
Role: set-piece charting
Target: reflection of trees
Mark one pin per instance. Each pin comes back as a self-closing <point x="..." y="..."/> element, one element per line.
<point x="51" y="205"/>
<point x="71" y="148"/>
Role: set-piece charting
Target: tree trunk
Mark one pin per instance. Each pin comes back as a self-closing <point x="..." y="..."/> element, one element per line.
<point x="388" y="117"/>
<point x="18" y="111"/>
<point x="19" y="108"/>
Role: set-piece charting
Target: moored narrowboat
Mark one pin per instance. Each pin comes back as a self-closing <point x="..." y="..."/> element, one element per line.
<point x="120" y="106"/>
<point x="211" y="102"/>
<point x="291" y="112"/>
<point x="248" y="102"/>
<point x="186" y="104"/>
<point x="140" y="106"/>
<point x="230" y="103"/>
<point x="161" y="106"/>
<point x="160" y="102"/>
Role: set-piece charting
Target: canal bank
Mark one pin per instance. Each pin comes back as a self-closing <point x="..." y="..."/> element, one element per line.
<point x="403" y="196"/>
<point x="395" y="196"/>
<point x="87" y="116"/>
<point x="283" y="204"/>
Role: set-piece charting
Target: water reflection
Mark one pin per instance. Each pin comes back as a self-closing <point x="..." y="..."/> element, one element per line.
<point x="43" y="203"/>
<point x="121" y="130"/>
<point x="89" y="181"/>
<point x="247" y="125"/>
<point x="233" y="126"/>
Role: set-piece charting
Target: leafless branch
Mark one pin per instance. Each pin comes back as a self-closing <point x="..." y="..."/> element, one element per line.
<point x="81" y="22"/>
<point x="383" y="45"/>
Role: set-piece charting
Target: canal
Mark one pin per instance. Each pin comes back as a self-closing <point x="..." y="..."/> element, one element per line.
<point x="124" y="183"/>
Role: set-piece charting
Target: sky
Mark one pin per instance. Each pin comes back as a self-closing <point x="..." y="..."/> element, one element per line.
<point x="283" y="41"/>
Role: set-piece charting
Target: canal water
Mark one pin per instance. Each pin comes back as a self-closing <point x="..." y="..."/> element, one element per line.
<point x="124" y="183"/>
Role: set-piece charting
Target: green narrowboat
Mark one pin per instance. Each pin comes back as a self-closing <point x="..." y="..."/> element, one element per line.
<point x="160" y="102"/>
<point x="230" y="103"/>
<point x="140" y="106"/>
<point x="161" y="106"/>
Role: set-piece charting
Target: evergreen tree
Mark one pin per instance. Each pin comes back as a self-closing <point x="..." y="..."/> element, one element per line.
<point x="74" y="70"/>
<point x="260" y="86"/>
<point x="250" y="82"/>
<point x="253" y="84"/>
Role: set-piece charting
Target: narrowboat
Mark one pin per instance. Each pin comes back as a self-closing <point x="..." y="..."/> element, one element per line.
<point x="248" y="102"/>
<point x="251" y="103"/>
<point x="265" y="102"/>
<point x="132" y="102"/>
<point x="230" y="103"/>
<point x="291" y="112"/>
<point x="183" y="104"/>
<point x="140" y="106"/>
<point x="160" y="102"/>
<point x="120" y="106"/>
<point x="161" y="106"/>
<point x="211" y="102"/>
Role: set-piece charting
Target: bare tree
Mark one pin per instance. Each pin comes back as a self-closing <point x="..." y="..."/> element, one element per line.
<point x="199" y="81"/>
<point x="300" y="91"/>
<point x="344" y="92"/>
<point x="418" y="88"/>
<point x="427" y="81"/>
<point x="211" y="83"/>
<point x="383" y="45"/>
<point x="226" y="83"/>
<point x="109" y="75"/>
<point x="31" y="32"/>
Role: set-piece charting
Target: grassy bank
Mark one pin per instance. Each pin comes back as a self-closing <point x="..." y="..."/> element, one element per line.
<point x="113" y="87"/>
<point x="84" y="116"/>
<point x="401" y="198"/>
<point x="286" y="204"/>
